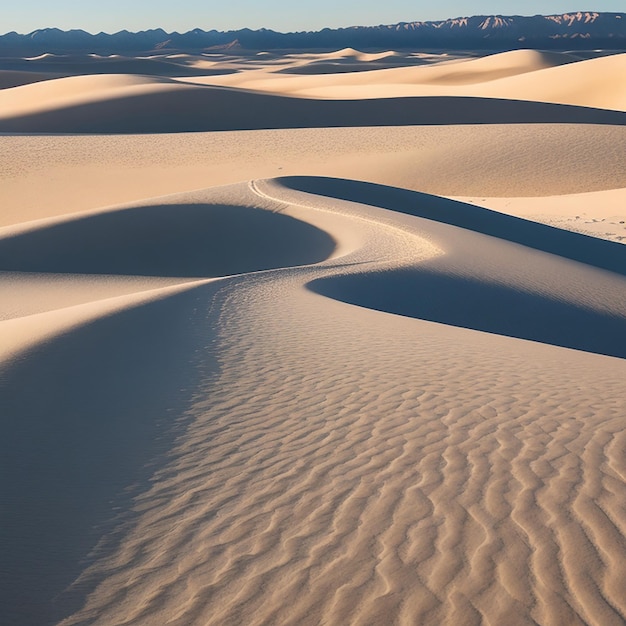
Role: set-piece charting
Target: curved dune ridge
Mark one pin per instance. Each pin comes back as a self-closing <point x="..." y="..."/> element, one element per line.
<point x="114" y="104"/>
<point x="197" y="240"/>
<point x="521" y="74"/>
<point x="414" y="70"/>
<point x="377" y="382"/>
<point x="391" y="467"/>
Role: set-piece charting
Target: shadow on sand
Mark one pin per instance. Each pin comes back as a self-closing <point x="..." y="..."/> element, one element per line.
<point x="437" y="294"/>
<point x="191" y="240"/>
<point x="208" y="108"/>
<point x="599" y="253"/>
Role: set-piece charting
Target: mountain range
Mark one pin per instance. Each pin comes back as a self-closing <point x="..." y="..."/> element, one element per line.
<point x="578" y="30"/>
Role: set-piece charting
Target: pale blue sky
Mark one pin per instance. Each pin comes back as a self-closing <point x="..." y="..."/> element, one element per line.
<point x="283" y="15"/>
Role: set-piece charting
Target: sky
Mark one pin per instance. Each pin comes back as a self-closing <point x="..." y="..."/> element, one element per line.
<point x="283" y="15"/>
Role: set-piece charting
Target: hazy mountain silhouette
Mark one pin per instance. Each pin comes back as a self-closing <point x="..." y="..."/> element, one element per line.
<point x="579" y="30"/>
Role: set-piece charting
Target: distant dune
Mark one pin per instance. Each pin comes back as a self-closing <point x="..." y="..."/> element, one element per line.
<point x="515" y="87"/>
<point x="313" y="338"/>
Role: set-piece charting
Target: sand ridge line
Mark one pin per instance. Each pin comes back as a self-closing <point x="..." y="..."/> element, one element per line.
<point x="303" y="455"/>
<point x="520" y="74"/>
<point x="409" y="240"/>
<point x="409" y="248"/>
<point x="410" y="245"/>
<point x="23" y="334"/>
<point x="302" y="452"/>
<point x="122" y="105"/>
<point x="62" y="274"/>
<point x="531" y="288"/>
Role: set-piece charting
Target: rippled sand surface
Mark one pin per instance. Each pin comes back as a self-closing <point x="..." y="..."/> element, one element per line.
<point x="353" y="352"/>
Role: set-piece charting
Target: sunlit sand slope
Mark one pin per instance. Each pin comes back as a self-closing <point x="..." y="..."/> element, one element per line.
<point x="328" y="462"/>
<point x="114" y="103"/>
<point x="518" y="75"/>
<point x="75" y="173"/>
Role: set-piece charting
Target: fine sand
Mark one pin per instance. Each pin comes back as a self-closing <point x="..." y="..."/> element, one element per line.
<point x="353" y="351"/>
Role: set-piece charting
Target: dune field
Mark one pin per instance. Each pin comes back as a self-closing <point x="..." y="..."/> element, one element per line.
<point x="313" y="338"/>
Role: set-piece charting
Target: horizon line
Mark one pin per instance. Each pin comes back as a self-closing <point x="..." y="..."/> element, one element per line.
<point x="266" y="29"/>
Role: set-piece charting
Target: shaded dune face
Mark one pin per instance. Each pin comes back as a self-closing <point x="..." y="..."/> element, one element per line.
<point x="340" y="66"/>
<point x="75" y="434"/>
<point x="478" y="305"/>
<point x="467" y="287"/>
<point x="194" y="109"/>
<point x="570" y="245"/>
<point x="192" y="240"/>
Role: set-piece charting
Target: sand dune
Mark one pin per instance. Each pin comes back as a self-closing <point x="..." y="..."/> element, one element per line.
<point x="521" y="74"/>
<point x="14" y="78"/>
<point x="410" y="67"/>
<point x="346" y="60"/>
<point x="396" y="242"/>
<point x="199" y="240"/>
<point x="81" y="64"/>
<point x="597" y="213"/>
<point x="588" y="83"/>
<point x="64" y="460"/>
<point x="588" y="250"/>
<point x="536" y="88"/>
<point x="336" y="372"/>
<point x="113" y="104"/>
<point x="77" y="173"/>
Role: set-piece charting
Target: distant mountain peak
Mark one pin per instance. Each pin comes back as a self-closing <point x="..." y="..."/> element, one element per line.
<point x="574" y="30"/>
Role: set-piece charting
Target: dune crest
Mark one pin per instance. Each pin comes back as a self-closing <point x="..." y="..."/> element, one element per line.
<point x="399" y="457"/>
<point x="514" y="87"/>
<point x="517" y="75"/>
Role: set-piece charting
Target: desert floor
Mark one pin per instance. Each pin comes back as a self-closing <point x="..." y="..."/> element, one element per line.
<point x="325" y="338"/>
